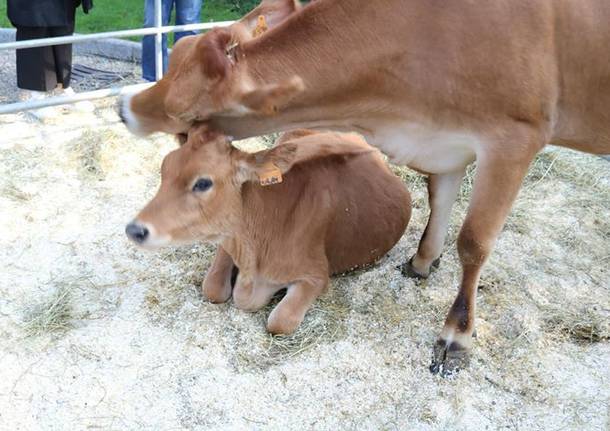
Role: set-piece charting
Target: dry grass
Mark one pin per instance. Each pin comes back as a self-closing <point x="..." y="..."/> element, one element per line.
<point x="52" y="314"/>
<point x="324" y="323"/>
<point x="11" y="191"/>
<point x="88" y="148"/>
<point x="582" y="322"/>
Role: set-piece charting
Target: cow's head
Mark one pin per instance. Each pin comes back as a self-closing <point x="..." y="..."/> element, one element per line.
<point x="200" y="193"/>
<point x="204" y="77"/>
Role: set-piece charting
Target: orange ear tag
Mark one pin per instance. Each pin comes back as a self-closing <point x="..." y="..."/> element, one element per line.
<point x="261" y="26"/>
<point x="270" y="174"/>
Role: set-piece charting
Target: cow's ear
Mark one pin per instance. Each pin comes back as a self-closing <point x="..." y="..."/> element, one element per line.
<point x="270" y="98"/>
<point x="213" y="48"/>
<point x="302" y="146"/>
<point x="269" y="12"/>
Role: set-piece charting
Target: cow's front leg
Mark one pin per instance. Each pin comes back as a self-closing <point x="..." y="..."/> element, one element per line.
<point x="217" y="285"/>
<point x="498" y="178"/>
<point x="442" y="192"/>
<point x="290" y="312"/>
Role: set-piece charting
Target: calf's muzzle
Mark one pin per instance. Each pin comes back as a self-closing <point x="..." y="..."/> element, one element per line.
<point x="136" y="232"/>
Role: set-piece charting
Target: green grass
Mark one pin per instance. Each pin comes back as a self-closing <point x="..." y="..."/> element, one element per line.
<point x="108" y="15"/>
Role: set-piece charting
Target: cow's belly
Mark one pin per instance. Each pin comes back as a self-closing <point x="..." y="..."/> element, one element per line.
<point x="426" y="149"/>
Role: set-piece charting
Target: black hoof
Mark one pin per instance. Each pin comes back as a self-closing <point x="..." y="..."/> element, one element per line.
<point x="448" y="360"/>
<point x="408" y="271"/>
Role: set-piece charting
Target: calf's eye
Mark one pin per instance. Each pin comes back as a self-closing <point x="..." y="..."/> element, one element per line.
<point x="202" y="184"/>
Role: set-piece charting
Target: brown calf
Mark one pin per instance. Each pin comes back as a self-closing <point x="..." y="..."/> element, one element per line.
<point x="338" y="207"/>
<point x="434" y="84"/>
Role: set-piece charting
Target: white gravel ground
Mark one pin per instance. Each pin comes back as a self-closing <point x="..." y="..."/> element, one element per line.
<point x="143" y="351"/>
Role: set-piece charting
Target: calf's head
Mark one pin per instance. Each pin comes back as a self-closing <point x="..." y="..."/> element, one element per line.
<point x="206" y="76"/>
<point x="200" y="193"/>
<point x="200" y="197"/>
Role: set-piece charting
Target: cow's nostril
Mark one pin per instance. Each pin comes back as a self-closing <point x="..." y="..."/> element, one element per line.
<point x="136" y="232"/>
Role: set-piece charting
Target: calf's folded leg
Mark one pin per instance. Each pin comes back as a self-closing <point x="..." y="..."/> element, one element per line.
<point x="252" y="295"/>
<point x="217" y="286"/>
<point x="289" y="313"/>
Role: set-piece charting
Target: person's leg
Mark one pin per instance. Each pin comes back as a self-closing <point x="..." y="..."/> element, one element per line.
<point x="35" y="66"/>
<point x="62" y="54"/>
<point x="36" y="75"/>
<point x="148" y="42"/>
<point x="187" y="12"/>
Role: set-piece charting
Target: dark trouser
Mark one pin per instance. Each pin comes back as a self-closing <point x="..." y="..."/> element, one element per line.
<point x="41" y="69"/>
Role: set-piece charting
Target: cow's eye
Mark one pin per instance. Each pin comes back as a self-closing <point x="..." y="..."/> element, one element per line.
<point x="202" y="184"/>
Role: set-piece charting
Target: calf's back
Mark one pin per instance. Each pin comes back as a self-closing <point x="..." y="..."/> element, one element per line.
<point x="348" y="207"/>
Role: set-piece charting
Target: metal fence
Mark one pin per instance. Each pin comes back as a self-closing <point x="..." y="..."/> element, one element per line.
<point x="158" y="30"/>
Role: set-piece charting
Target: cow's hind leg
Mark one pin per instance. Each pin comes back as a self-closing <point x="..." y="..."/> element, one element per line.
<point x="217" y="284"/>
<point x="498" y="178"/>
<point x="442" y="192"/>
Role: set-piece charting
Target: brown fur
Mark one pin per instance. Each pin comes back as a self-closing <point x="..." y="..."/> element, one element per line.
<point x="339" y="207"/>
<point x="510" y="76"/>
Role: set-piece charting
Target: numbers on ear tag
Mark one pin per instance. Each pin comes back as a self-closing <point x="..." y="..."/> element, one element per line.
<point x="270" y="174"/>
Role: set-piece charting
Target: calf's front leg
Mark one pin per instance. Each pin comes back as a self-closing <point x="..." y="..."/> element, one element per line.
<point x="498" y="178"/>
<point x="290" y="312"/>
<point x="217" y="286"/>
<point x="252" y="295"/>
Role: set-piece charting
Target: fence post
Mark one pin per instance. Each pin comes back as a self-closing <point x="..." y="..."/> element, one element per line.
<point x="158" y="41"/>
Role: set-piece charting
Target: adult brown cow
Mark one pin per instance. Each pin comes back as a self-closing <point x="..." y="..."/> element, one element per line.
<point x="433" y="84"/>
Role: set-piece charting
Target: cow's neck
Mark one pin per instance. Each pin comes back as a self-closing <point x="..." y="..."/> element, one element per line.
<point x="327" y="32"/>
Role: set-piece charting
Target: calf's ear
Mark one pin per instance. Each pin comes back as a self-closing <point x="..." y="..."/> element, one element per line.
<point x="270" y="98"/>
<point x="263" y="165"/>
<point x="201" y="135"/>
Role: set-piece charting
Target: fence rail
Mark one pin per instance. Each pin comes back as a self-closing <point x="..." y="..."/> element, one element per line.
<point x="158" y="30"/>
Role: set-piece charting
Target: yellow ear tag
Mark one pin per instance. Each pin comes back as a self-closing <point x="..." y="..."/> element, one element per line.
<point x="270" y="174"/>
<point x="261" y="26"/>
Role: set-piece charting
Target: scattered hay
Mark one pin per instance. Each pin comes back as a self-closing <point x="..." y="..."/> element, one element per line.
<point x="53" y="314"/>
<point x="173" y="278"/>
<point x="409" y="176"/>
<point x="577" y="169"/>
<point x="20" y="164"/>
<point x="11" y="191"/>
<point x="89" y="148"/>
<point x="324" y="323"/>
<point x="416" y="184"/>
<point x="467" y="184"/>
<point x="585" y="323"/>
